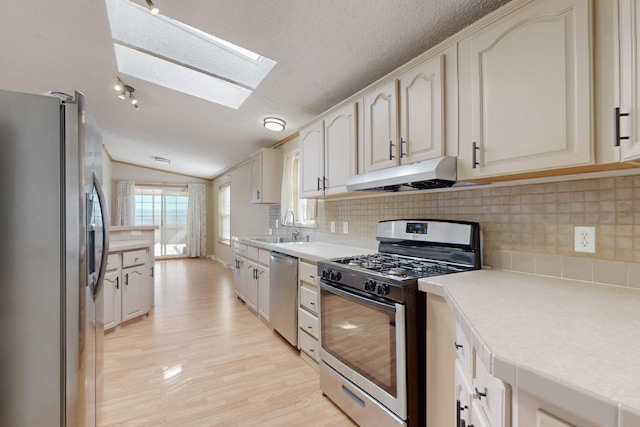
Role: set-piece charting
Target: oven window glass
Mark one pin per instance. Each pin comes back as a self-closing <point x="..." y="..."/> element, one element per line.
<point x="362" y="337"/>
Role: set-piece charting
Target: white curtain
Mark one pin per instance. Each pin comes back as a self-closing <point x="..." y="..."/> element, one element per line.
<point x="125" y="202"/>
<point x="305" y="209"/>
<point x="196" y="221"/>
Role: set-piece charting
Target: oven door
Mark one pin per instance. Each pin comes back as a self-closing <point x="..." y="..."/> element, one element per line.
<point x="365" y="341"/>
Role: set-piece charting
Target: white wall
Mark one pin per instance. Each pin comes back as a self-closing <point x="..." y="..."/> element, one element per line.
<point x="125" y="172"/>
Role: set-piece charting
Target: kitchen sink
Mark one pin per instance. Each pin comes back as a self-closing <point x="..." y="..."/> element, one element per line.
<point x="274" y="239"/>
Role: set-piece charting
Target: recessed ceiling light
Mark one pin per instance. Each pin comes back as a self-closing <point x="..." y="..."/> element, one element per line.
<point x="162" y="160"/>
<point x="275" y="124"/>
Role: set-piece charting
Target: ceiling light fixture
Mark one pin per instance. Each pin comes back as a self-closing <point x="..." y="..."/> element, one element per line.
<point x="153" y="8"/>
<point x="162" y="160"/>
<point x="275" y="124"/>
<point x="123" y="88"/>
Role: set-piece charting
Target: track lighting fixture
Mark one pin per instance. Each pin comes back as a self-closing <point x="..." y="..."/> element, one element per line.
<point x="152" y="7"/>
<point x="123" y="89"/>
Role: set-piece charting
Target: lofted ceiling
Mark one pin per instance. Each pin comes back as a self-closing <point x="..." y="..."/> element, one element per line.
<point x="325" y="51"/>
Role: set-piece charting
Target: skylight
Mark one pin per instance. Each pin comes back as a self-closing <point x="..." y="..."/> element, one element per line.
<point x="170" y="53"/>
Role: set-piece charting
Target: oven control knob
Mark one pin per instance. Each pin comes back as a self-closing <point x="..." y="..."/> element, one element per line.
<point x="335" y="275"/>
<point x="370" y="285"/>
<point x="382" y="289"/>
<point x="326" y="273"/>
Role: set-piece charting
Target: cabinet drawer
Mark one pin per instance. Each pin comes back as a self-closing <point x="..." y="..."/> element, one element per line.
<point x="308" y="322"/>
<point x="465" y="352"/>
<point x="308" y="272"/>
<point x="309" y="299"/>
<point x="309" y="345"/>
<point x="263" y="257"/>
<point x="134" y="258"/>
<point x="252" y="253"/>
<point x="113" y="262"/>
<point x="494" y="396"/>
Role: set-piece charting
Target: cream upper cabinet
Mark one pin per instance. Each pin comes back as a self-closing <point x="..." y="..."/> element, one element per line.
<point x="340" y="148"/>
<point x="328" y="150"/>
<point x="525" y="91"/>
<point x="421" y="112"/>
<point x="627" y="120"/>
<point x="266" y="176"/>
<point x="381" y="127"/>
<point x="312" y="160"/>
<point x="404" y="119"/>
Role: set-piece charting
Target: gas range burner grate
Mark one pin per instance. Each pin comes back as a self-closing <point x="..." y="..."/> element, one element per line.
<point x="397" y="266"/>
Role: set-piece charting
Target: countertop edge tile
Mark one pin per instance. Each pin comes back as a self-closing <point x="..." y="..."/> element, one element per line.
<point x="578" y="401"/>
<point x="311" y="251"/>
<point x="124" y="245"/>
<point x="504" y="369"/>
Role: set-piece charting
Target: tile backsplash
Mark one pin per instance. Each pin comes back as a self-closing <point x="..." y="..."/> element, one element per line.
<point x="531" y="218"/>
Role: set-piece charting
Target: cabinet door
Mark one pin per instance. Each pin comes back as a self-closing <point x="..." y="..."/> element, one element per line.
<point x="312" y="160"/>
<point x="112" y="299"/>
<point x="251" y="277"/>
<point x="340" y="145"/>
<point x="421" y="112"/>
<point x="256" y="179"/>
<point x="525" y="91"/>
<point x="134" y="291"/>
<point x="264" y="283"/>
<point x="629" y="77"/>
<point x="239" y="274"/>
<point x="381" y="127"/>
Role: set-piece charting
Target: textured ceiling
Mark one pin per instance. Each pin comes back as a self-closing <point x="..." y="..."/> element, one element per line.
<point x="325" y="51"/>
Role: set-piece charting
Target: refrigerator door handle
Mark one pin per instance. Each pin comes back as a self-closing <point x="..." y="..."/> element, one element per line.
<point x="105" y="236"/>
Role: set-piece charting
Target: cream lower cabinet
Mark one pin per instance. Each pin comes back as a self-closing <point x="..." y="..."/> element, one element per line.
<point x="112" y="292"/>
<point x="627" y="119"/>
<point x="126" y="287"/>
<point x="239" y="271"/>
<point x="308" y="313"/>
<point x="135" y="284"/>
<point x="525" y="91"/>
<point x="264" y="284"/>
<point x="251" y="278"/>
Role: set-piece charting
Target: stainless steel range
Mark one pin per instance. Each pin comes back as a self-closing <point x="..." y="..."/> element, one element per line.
<point x="373" y="322"/>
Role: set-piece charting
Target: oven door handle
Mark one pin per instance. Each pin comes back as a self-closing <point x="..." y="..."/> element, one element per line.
<point x="391" y="308"/>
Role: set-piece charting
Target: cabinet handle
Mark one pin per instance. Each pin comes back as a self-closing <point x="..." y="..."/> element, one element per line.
<point x="616" y="126"/>
<point x="474" y="155"/>
<point x="258" y="194"/>
<point x="309" y="327"/>
<point x="126" y="279"/>
<point x="152" y="272"/>
<point x="458" y="345"/>
<point x="318" y="183"/>
<point x="391" y="145"/>
<point x="402" y="144"/>
<point x="481" y="395"/>
<point x="117" y="283"/>
<point x="324" y="182"/>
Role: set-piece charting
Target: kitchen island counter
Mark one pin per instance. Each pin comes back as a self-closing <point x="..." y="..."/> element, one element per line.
<point x="572" y="342"/>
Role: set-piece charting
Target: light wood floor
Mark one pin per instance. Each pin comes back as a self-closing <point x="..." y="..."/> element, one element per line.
<point x="202" y="359"/>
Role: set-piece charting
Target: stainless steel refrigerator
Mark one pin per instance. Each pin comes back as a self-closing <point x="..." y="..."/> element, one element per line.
<point x="53" y="248"/>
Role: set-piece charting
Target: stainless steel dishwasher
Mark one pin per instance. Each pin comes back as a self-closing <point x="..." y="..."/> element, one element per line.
<point x="283" y="305"/>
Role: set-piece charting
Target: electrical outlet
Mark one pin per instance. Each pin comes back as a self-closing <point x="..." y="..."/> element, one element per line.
<point x="333" y="226"/>
<point x="585" y="239"/>
<point x="345" y="227"/>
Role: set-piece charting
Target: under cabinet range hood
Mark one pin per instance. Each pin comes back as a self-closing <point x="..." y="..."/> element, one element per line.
<point x="427" y="174"/>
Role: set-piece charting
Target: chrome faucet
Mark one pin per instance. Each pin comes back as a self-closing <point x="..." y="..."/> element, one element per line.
<point x="294" y="231"/>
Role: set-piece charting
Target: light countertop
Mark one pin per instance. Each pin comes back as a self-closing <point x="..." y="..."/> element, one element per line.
<point x="311" y="251"/>
<point x="572" y="342"/>
<point x="125" y="245"/>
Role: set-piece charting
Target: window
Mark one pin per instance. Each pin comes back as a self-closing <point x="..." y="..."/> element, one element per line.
<point x="165" y="207"/>
<point x="225" y="213"/>
<point x="304" y="209"/>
